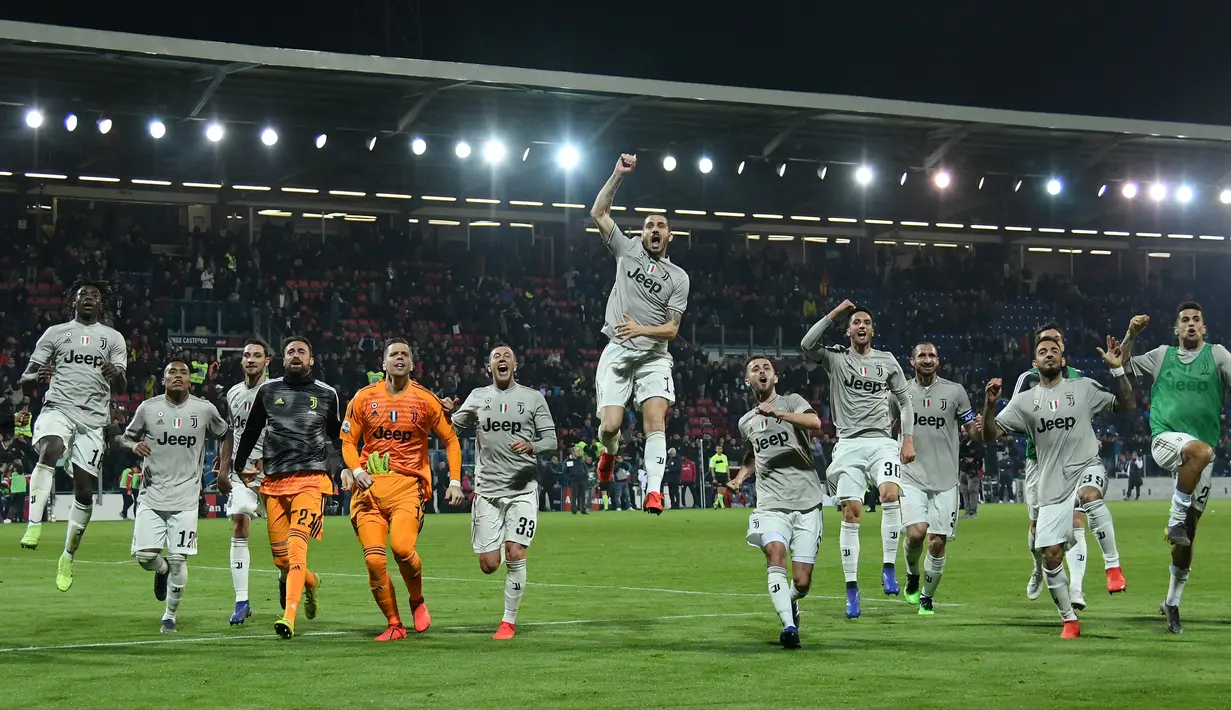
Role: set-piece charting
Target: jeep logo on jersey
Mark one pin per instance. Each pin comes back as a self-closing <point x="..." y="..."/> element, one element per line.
<point x="645" y="280"/>
<point x="493" y="425"/>
<point x="934" y="422"/>
<point x="176" y="440"/>
<point x="1184" y="385"/>
<point x="392" y="434"/>
<point x="863" y="385"/>
<point x="777" y="439"/>
<point x="73" y="357"/>
<point x="1056" y="423"/>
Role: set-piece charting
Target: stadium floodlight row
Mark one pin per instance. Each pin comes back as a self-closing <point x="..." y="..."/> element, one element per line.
<point x="494" y="152"/>
<point x="784" y="221"/>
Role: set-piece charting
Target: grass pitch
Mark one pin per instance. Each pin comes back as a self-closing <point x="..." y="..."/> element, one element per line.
<point x="622" y="610"/>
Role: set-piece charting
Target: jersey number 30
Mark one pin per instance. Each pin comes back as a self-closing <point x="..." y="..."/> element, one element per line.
<point x="892" y="470"/>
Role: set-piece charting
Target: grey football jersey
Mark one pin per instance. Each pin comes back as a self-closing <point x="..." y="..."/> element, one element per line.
<point x="501" y="417"/>
<point x="786" y="477"/>
<point x="1058" y="419"/>
<point x="646" y="289"/>
<point x="239" y="404"/>
<point x="78" y="388"/>
<point x="941" y="410"/>
<point x="171" y="474"/>
<point x="860" y="387"/>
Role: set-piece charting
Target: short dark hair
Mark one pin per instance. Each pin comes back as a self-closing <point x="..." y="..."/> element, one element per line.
<point x="256" y="340"/>
<point x="104" y="289"/>
<point x="1188" y="306"/>
<point x="501" y="345"/>
<point x="1046" y="339"/>
<point x="286" y="342"/>
<point x="398" y="341"/>
<point x="915" y="350"/>
<point x="658" y="214"/>
<point x="181" y="358"/>
<point x="1050" y="325"/>
<point x="754" y="358"/>
<point x="858" y="310"/>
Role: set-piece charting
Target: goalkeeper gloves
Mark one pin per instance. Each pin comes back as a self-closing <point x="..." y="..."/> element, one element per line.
<point x="378" y="464"/>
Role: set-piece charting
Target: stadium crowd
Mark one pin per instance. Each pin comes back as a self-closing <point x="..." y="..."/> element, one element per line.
<point x="347" y="295"/>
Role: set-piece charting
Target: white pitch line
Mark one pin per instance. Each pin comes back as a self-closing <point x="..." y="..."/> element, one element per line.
<point x="559" y="585"/>
<point x="476" y="627"/>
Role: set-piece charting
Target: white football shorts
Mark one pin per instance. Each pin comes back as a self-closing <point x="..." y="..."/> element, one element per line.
<point x="858" y="463"/>
<point x="496" y="520"/>
<point x="154" y="530"/>
<point x="635" y="375"/>
<point x="244" y="499"/>
<point x="1167" y="449"/>
<point x="1055" y="526"/>
<point x="800" y="531"/>
<point x="85" y="446"/>
<point x="938" y="510"/>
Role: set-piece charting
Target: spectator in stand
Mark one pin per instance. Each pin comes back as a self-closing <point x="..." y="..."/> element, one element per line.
<point x="671" y="477"/>
<point x="578" y="475"/>
<point x="623" y="495"/>
<point x="688" y="477"/>
<point x="1136" y="476"/>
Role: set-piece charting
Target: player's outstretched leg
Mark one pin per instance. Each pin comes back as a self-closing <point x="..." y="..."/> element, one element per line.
<point x="933" y="569"/>
<point x="241" y="556"/>
<point x="1076" y="558"/>
<point x="373" y="531"/>
<point x="891" y="530"/>
<point x="1058" y="585"/>
<point x="152" y="561"/>
<point x="514" y="588"/>
<point x="1195" y="456"/>
<point x="848" y="541"/>
<point x="1181" y="566"/>
<point x="177" y="580"/>
<point x="78" y="520"/>
<point x="1105" y="533"/>
<point x="1034" y="587"/>
<point x="913" y="547"/>
<point x="42" y="481"/>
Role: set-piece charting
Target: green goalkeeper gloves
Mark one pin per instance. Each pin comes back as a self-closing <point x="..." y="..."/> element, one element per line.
<point x="378" y="464"/>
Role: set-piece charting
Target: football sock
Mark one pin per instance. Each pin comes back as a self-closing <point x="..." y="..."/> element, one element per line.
<point x="913" y="553"/>
<point x="241" y="559"/>
<point x="1058" y="585"/>
<point x="78" y="519"/>
<point x="42" y="480"/>
<point x="933" y="568"/>
<point x="381" y="585"/>
<point x="796" y="595"/>
<point x="297" y="548"/>
<point x="780" y="595"/>
<point x="655" y="460"/>
<point x="848" y="540"/>
<point x="1076" y="559"/>
<point x="891" y="529"/>
<point x="1104" y="532"/>
<point x="1036" y="554"/>
<point x="514" y="587"/>
<point x="412" y="574"/>
<point x="1180" y="503"/>
<point x="1175" y="589"/>
<point x="176" y="581"/>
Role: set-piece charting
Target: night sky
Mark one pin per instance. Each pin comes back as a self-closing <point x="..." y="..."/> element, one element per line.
<point x="1138" y="61"/>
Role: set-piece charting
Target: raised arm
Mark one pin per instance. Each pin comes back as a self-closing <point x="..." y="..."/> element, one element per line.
<point x="991" y="428"/>
<point x="1125" y="401"/>
<point x="811" y="344"/>
<point x="1135" y="326"/>
<point x="601" y="211"/>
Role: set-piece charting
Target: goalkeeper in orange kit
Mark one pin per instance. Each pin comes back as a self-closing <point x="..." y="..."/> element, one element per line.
<point x="385" y="446"/>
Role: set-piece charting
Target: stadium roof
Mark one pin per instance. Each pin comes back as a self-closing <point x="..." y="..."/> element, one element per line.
<point x="1000" y="161"/>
